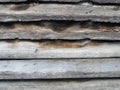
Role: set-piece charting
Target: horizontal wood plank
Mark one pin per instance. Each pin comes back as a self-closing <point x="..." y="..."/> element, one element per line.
<point x="97" y="1"/>
<point x="58" y="49"/>
<point x="59" y="69"/>
<point x="61" y="85"/>
<point x="60" y="30"/>
<point x="12" y="1"/>
<point x="31" y="12"/>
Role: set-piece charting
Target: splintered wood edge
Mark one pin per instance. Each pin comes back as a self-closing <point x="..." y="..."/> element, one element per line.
<point x="59" y="12"/>
<point x="58" y="49"/>
<point x="58" y="69"/>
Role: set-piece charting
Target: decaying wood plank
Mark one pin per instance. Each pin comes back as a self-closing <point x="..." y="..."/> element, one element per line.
<point x="97" y="1"/>
<point x="61" y="85"/>
<point x="58" y="49"/>
<point x="31" y="12"/>
<point x="54" y="69"/>
<point x="60" y="30"/>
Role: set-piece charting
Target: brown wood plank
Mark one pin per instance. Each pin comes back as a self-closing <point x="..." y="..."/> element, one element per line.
<point x="60" y="30"/>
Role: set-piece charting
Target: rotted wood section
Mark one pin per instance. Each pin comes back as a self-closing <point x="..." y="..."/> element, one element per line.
<point x="59" y="45"/>
<point x="64" y="30"/>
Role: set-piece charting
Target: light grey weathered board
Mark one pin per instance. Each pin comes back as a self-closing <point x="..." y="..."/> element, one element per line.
<point x="61" y="85"/>
<point x="59" y="12"/>
<point x="64" y="68"/>
<point x="57" y="31"/>
<point x="58" y="49"/>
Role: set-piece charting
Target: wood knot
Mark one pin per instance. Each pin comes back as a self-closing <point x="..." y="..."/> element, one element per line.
<point x="20" y="7"/>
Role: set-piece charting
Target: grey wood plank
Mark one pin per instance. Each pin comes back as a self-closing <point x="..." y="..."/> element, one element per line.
<point x="59" y="12"/>
<point x="61" y="85"/>
<point x="58" y="49"/>
<point x="59" y="30"/>
<point x="13" y="0"/>
<point x="60" y="69"/>
<point x="97" y="1"/>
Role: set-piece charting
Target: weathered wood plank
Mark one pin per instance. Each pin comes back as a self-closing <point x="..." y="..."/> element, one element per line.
<point x="61" y="85"/>
<point x="97" y="1"/>
<point x="59" y="12"/>
<point x="60" y="30"/>
<point x="57" y="69"/>
<point x="58" y="49"/>
<point x="13" y="0"/>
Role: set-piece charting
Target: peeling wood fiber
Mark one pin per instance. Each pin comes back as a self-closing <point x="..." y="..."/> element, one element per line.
<point x="59" y="12"/>
<point x="58" y="49"/>
<point x="67" y="30"/>
<point x="59" y="69"/>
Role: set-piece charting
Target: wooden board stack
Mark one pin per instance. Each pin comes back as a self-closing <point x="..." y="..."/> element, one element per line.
<point x="59" y="44"/>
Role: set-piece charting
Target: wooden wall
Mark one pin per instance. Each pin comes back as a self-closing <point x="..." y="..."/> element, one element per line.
<point x="59" y="44"/>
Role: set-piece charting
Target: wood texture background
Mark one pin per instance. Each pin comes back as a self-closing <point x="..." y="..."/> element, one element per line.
<point x="59" y="45"/>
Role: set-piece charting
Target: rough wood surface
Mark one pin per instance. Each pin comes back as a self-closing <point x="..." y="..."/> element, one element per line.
<point x="60" y="30"/>
<point x="58" y="49"/>
<point x="97" y="1"/>
<point x="58" y="69"/>
<point x="61" y="85"/>
<point x="32" y="12"/>
<point x="12" y="0"/>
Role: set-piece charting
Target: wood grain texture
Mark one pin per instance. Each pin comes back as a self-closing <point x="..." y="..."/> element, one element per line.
<point x="12" y="1"/>
<point x="59" y="69"/>
<point x="97" y="1"/>
<point x="58" y="49"/>
<point x="59" y="12"/>
<point x="60" y="30"/>
<point x="61" y="85"/>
